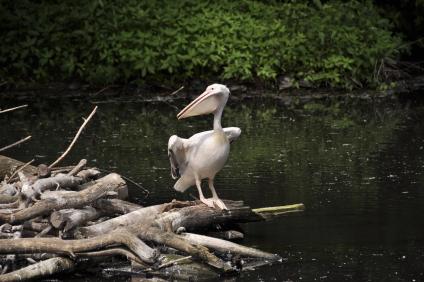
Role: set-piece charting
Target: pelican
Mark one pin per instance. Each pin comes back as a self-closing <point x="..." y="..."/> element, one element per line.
<point x="204" y="154"/>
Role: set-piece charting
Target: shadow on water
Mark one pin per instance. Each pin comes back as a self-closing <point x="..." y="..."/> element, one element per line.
<point x="356" y="166"/>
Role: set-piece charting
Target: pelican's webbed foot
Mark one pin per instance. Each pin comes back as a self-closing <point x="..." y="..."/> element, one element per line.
<point x="209" y="202"/>
<point x="219" y="203"/>
<point x="214" y="203"/>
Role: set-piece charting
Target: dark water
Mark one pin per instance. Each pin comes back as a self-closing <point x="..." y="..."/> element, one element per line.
<point x="357" y="167"/>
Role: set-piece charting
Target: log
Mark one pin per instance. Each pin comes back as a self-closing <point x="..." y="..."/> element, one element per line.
<point x="35" y="226"/>
<point x="110" y="183"/>
<point x="70" y="247"/>
<point x="7" y="165"/>
<point x="51" y="183"/>
<point x="40" y="269"/>
<point x="224" y="247"/>
<point x="68" y="219"/>
<point x="113" y="252"/>
<point x="200" y="216"/>
<point x="140" y="216"/>
<point x="87" y="174"/>
<point x="172" y="240"/>
<point x="115" y="206"/>
<point x="7" y="199"/>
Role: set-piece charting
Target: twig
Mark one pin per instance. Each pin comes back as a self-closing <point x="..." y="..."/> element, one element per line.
<point x="19" y="170"/>
<point x="178" y="90"/>
<point x="172" y="262"/>
<point x="15" y="144"/>
<point x="12" y="109"/>
<point x="102" y="90"/>
<point x="75" y="138"/>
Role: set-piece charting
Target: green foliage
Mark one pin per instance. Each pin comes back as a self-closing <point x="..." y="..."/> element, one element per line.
<point x="103" y="41"/>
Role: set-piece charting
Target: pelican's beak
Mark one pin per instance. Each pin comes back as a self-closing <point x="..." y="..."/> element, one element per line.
<point x="206" y="103"/>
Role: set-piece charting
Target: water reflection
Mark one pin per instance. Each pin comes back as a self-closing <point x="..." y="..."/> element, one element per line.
<point x="356" y="166"/>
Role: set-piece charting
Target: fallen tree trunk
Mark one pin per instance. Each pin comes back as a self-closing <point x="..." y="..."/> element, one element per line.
<point x="67" y="219"/>
<point x="55" y="182"/>
<point x="70" y="247"/>
<point x="224" y="246"/>
<point x="40" y="269"/>
<point x="101" y="187"/>
<point x="138" y="217"/>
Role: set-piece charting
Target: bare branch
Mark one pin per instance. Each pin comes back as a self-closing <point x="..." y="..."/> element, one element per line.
<point x="178" y="90"/>
<point x="75" y="138"/>
<point x="12" y="109"/>
<point x="15" y="144"/>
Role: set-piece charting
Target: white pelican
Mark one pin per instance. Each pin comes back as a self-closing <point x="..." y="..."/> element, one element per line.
<point x="205" y="153"/>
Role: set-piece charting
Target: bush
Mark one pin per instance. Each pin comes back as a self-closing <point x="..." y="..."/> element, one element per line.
<point x="104" y="41"/>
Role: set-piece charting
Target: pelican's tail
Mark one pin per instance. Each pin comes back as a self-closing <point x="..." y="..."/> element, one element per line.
<point x="183" y="183"/>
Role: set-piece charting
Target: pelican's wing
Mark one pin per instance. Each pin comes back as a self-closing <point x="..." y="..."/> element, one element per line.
<point x="232" y="133"/>
<point x="177" y="155"/>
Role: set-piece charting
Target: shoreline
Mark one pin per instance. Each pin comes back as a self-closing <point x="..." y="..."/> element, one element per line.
<point x="153" y="93"/>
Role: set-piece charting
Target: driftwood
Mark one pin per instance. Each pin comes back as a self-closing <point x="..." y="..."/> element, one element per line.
<point x="67" y="219"/>
<point x="40" y="269"/>
<point x="115" y="206"/>
<point x="52" y="219"/>
<point x="111" y="183"/>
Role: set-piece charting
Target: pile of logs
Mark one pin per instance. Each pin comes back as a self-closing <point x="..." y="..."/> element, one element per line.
<point x="55" y="220"/>
<point x="74" y="218"/>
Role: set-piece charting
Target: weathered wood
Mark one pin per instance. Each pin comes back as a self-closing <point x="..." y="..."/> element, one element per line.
<point x="115" y="206"/>
<point x="100" y="188"/>
<point x="40" y="269"/>
<point x="224" y="246"/>
<point x="77" y="168"/>
<point x="89" y="174"/>
<point x="271" y="212"/>
<point x="7" y="165"/>
<point x="172" y="240"/>
<point x="201" y="216"/>
<point x="7" y="199"/>
<point x="67" y="219"/>
<point x="70" y="247"/>
<point x="35" y="226"/>
<point x="113" y="252"/>
<point x="140" y="216"/>
<point x="55" y="182"/>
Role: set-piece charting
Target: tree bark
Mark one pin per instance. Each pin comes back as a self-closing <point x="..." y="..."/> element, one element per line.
<point x="140" y="216"/>
<point x="41" y="269"/>
<point x="115" y="206"/>
<point x="67" y="219"/>
<point x="224" y="246"/>
<point x="70" y="247"/>
<point x="100" y="188"/>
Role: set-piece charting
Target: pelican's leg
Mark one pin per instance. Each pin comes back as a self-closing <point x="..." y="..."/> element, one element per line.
<point x="208" y="202"/>
<point x="216" y="200"/>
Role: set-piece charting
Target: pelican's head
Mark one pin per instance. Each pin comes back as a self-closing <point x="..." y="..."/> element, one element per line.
<point x="212" y="100"/>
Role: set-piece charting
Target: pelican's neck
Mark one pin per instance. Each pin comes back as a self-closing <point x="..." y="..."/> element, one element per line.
<point x="217" y="119"/>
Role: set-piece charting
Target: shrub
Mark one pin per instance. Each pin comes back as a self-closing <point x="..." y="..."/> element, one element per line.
<point x="103" y="41"/>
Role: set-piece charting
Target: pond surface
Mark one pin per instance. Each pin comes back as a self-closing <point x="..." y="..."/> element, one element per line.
<point x="357" y="167"/>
